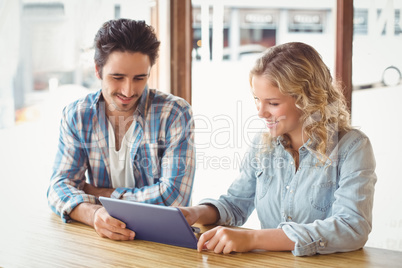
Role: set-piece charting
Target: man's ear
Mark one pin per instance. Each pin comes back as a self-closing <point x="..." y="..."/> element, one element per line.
<point x="97" y="72"/>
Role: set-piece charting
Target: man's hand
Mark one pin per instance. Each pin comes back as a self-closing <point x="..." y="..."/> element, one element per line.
<point x="225" y="240"/>
<point x="97" y="191"/>
<point x="109" y="227"/>
<point x="104" y="224"/>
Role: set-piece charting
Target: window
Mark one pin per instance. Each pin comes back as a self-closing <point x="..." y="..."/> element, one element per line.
<point x="306" y="21"/>
<point x="224" y="132"/>
<point x="377" y="67"/>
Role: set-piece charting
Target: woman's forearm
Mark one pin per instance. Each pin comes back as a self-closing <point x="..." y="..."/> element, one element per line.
<point x="272" y="240"/>
<point x="207" y="214"/>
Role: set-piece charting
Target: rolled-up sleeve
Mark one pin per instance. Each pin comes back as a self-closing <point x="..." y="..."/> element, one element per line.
<point x="69" y="169"/>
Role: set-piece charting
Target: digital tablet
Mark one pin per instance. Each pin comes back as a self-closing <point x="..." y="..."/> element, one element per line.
<point x="154" y="223"/>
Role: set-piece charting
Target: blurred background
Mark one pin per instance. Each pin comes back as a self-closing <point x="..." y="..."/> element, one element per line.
<point x="46" y="62"/>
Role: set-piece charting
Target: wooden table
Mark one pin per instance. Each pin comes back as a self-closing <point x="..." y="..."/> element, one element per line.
<point x="36" y="237"/>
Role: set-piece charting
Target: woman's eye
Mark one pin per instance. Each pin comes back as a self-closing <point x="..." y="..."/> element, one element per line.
<point x="274" y="104"/>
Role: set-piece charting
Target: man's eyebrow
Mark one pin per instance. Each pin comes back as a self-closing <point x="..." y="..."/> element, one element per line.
<point x="140" y="75"/>
<point x="119" y="74"/>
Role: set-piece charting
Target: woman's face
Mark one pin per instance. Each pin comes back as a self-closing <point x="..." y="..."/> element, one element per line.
<point x="278" y="110"/>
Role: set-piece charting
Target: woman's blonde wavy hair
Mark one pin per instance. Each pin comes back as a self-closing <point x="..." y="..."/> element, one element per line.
<point x="298" y="70"/>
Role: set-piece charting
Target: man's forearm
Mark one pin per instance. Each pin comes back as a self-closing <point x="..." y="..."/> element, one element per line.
<point x="84" y="213"/>
<point x="97" y="191"/>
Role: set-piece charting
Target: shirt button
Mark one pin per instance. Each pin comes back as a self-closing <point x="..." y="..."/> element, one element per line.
<point x="322" y="244"/>
<point x="291" y="163"/>
<point x="287" y="187"/>
<point x="291" y="191"/>
<point x="289" y="218"/>
<point x="303" y="149"/>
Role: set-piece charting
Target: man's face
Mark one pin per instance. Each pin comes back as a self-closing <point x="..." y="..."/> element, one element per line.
<point x="124" y="77"/>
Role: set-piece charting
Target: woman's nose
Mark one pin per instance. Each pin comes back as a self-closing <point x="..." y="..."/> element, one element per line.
<point x="262" y="111"/>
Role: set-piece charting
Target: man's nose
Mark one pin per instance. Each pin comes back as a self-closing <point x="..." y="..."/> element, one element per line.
<point x="128" y="88"/>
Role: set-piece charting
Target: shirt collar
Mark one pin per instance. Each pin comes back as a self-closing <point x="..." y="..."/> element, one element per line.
<point x="97" y="98"/>
<point x="142" y="104"/>
<point x="309" y="144"/>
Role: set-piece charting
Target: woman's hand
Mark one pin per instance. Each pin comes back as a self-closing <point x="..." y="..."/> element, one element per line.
<point x="202" y="214"/>
<point x="226" y="240"/>
<point x="191" y="214"/>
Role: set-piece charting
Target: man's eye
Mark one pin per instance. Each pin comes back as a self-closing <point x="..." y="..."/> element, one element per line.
<point x="139" y="78"/>
<point x="274" y="104"/>
<point x="117" y="77"/>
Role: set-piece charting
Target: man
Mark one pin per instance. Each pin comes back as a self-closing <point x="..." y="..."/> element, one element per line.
<point x="125" y="141"/>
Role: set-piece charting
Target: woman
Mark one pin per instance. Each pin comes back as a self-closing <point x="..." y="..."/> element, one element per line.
<point x="310" y="177"/>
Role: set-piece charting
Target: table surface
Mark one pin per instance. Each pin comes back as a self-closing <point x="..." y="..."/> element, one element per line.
<point x="38" y="238"/>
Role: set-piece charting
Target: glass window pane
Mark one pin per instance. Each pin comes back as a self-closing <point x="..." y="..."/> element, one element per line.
<point x="46" y="62"/>
<point x="225" y="114"/>
<point x="376" y="109"/>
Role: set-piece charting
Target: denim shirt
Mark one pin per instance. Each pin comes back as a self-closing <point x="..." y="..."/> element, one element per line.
<point x="323" y="208"/>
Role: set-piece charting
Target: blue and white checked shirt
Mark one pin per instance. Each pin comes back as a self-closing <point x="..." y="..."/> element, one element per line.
<point x="162" y="154"/>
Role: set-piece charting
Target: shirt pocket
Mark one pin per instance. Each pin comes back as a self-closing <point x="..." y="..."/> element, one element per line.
<point x="322" y="195"/>
<point x="263" y="181"/>
<point x="149" y="160"/>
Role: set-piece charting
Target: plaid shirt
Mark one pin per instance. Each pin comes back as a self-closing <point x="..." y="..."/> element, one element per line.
<point x="162" y="153"/>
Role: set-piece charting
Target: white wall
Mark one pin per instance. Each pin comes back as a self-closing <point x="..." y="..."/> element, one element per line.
<point x="9" y="46"/>
<point x="377" y="112"/>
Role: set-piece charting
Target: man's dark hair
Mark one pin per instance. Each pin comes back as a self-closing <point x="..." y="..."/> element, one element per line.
<point x="125" y="35"/>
